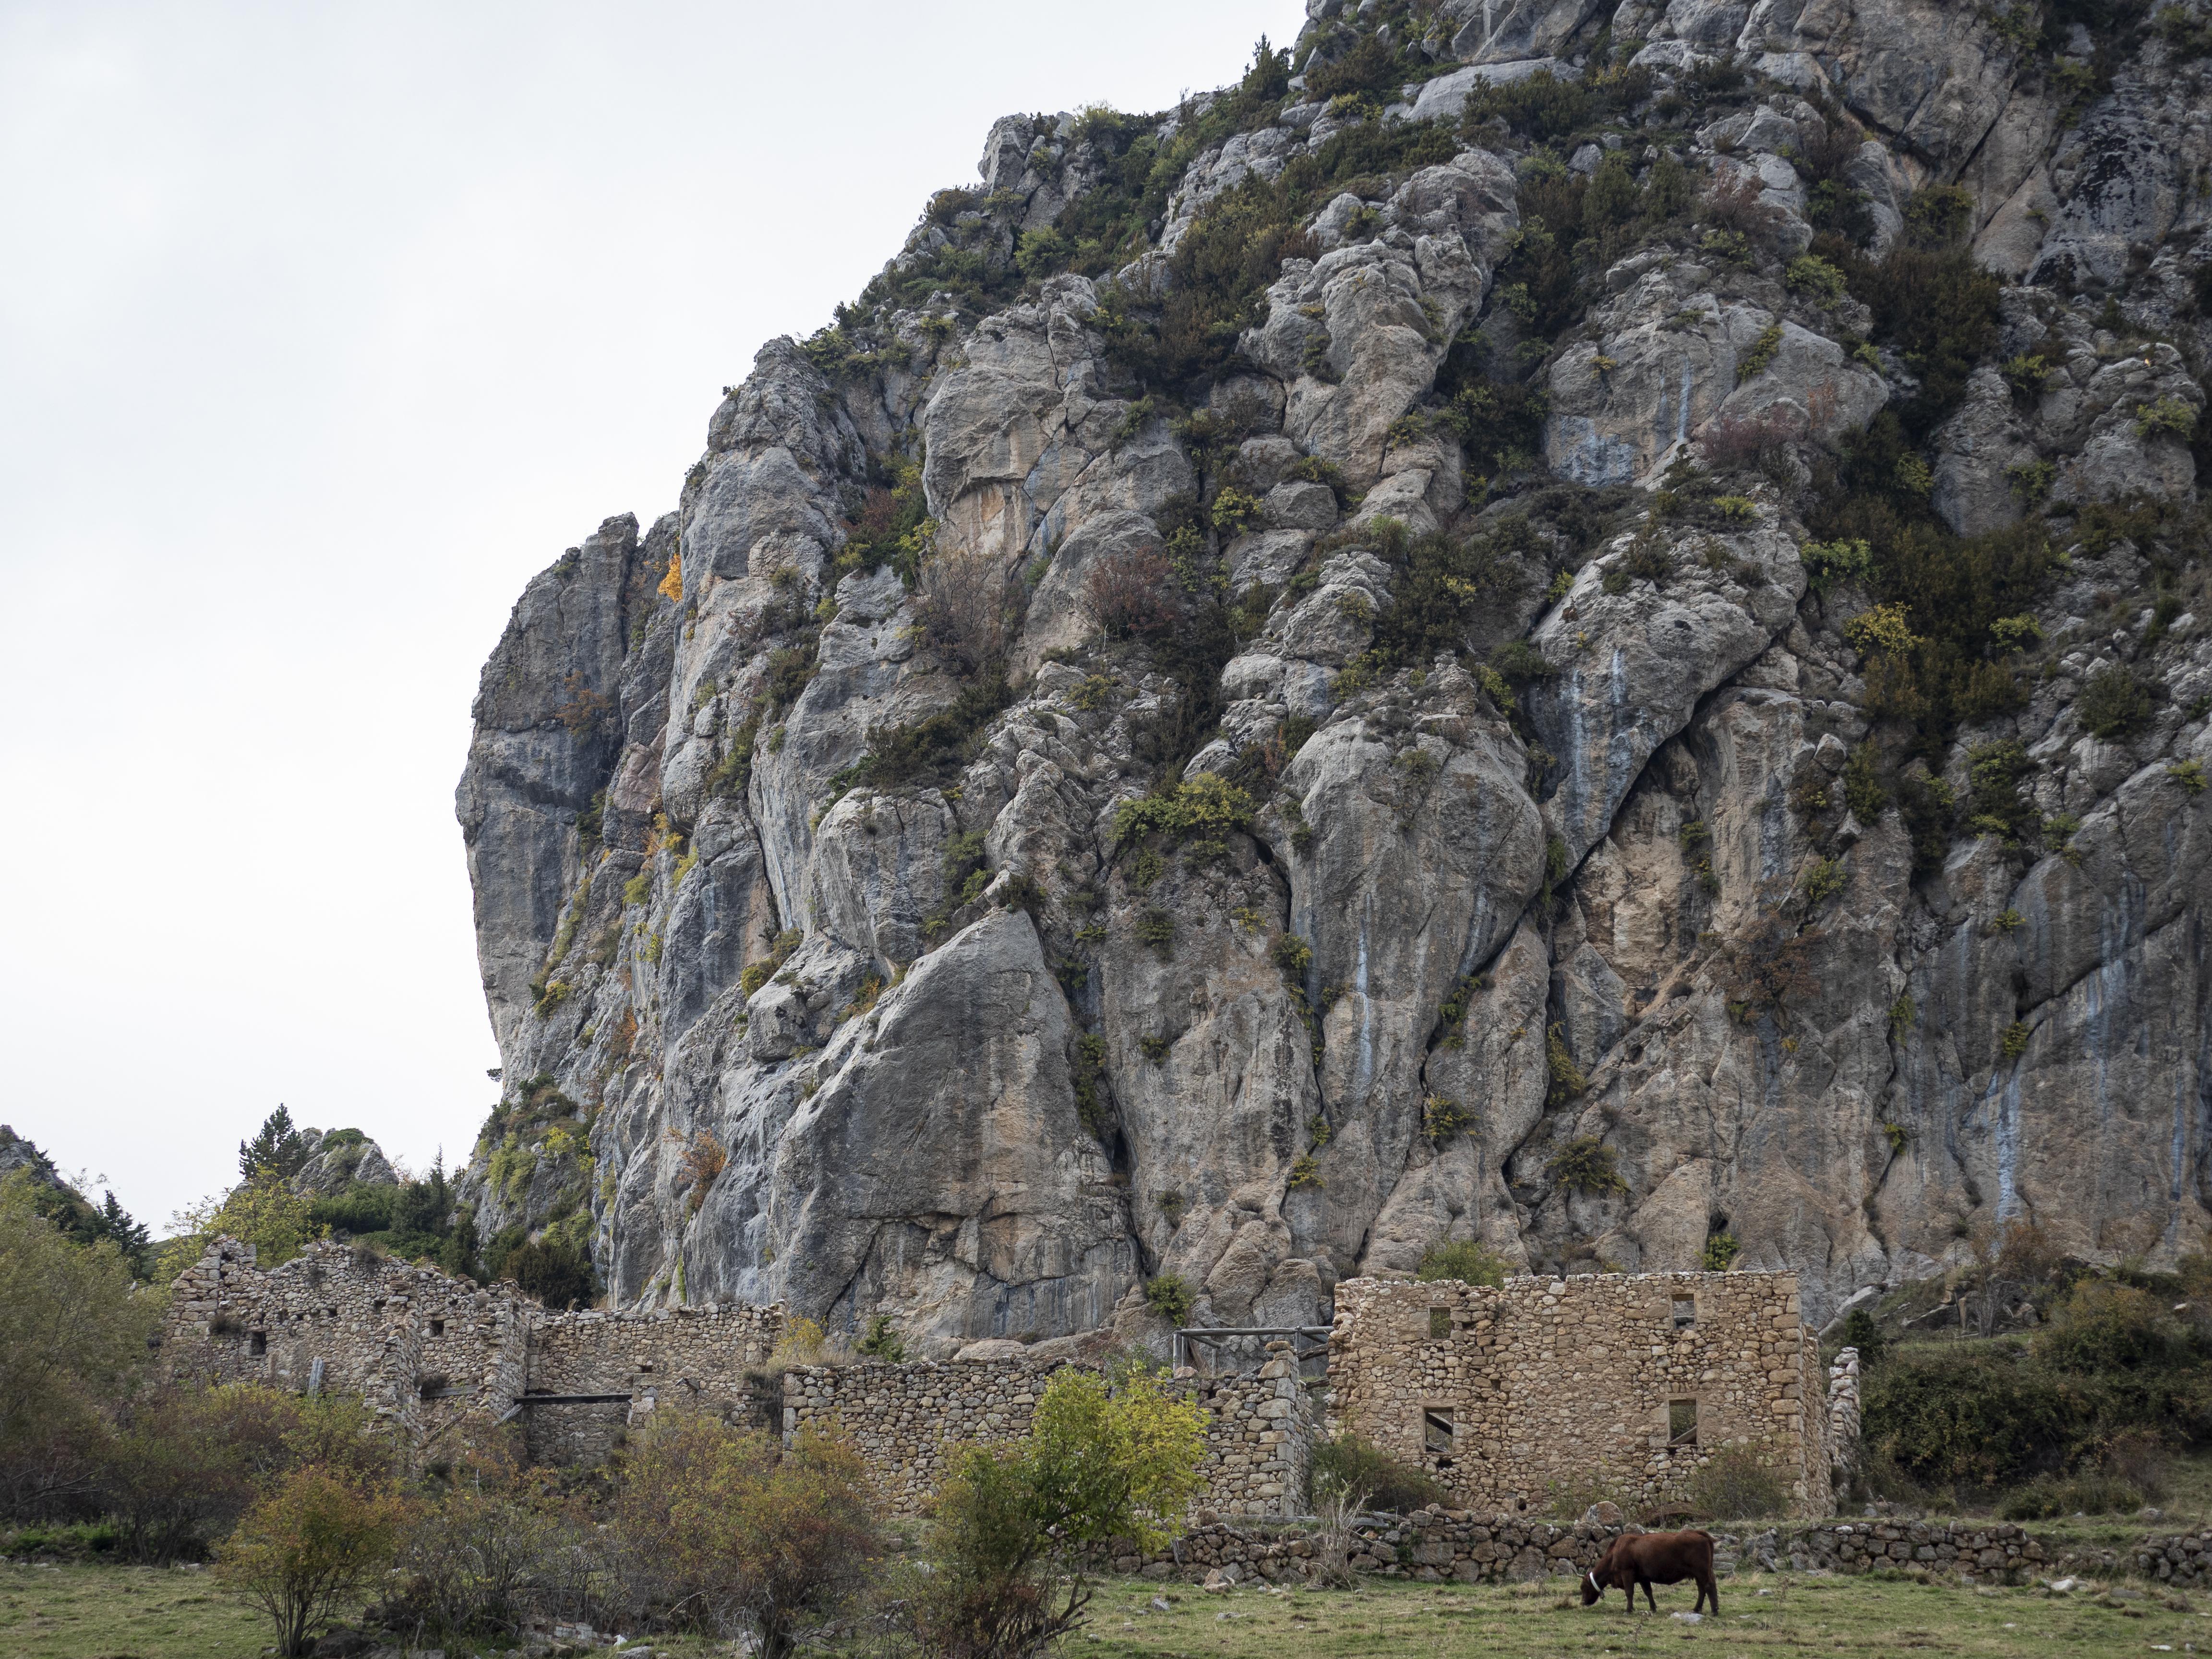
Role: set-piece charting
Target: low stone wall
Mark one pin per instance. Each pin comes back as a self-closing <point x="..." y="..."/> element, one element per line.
<point x="1455" y="1547"/>
<point x="1462" y="1549"/>
<point x="911" y="1422"/>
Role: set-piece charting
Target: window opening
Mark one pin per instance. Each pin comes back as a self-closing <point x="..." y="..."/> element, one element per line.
<point x="1440" y="1321"/>
<point x="437" y="1327"/>
<point x="1436" y="1430"/>
<point x="258" y="1343"/>
<point x="1685" y="1312"/>
<point x="1681" y="1422"/>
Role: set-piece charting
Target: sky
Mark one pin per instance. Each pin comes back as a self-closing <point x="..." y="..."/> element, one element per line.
<point x="322" y="327"/>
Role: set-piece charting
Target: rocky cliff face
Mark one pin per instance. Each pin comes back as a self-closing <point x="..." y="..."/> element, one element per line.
<point x="1574" y="626"/>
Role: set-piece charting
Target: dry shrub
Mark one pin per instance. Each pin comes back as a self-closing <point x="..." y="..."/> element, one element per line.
<point x="1734" y="205"/>
<point x="1735" y="1483"/>
<point x="485" y="1553"/>
<point x="963" y="606"/>
<point x="2139" y="1458"/>
<point x="800" y="1344"/>
<point x="1131" y="594"/>
<point x="1750" y="440"/>
<point x="312" y="1547"/>
<point x="728" y="1531"/>
<point x="704" y="1158"/>
<point x="1335" y="1506"/>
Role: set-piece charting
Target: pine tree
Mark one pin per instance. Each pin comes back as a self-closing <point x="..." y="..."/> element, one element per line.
<point x="131" y="1236"/>
<point x="279" y="1146"/>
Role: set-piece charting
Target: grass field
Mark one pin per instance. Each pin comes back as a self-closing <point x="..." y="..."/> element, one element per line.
<point x="146" y="1613"/>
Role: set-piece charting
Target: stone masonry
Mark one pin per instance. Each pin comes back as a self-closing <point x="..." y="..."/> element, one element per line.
<point x="1626" y="1384"/>
<point x="910" y="1423"/>
<point x="426" y="1351"/>
<point x="1623" y="1383"/>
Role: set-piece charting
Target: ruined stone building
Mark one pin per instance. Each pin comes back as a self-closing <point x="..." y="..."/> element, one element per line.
<point x="1624" y="1384"/>
<point x="1621" y="1383"/>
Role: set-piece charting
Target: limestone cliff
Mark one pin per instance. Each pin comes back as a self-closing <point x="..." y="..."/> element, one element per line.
<point x="1400" y="653"/>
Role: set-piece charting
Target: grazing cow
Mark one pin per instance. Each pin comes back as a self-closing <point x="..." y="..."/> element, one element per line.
<point x="1654" y="1558"/>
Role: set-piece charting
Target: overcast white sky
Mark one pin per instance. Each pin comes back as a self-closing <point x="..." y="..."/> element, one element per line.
<point x="322" y="327"/>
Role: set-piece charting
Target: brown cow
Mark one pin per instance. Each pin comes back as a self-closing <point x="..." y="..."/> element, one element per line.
<point x="1654" y="1558"/>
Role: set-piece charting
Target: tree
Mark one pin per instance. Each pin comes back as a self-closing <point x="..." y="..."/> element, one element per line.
<point x="722" y="1528"/>
<point x="265" y="1212"/>
<point x="132" y="1239"/>
<point x="279" y="1146"/>
<point x="313" y="1547"/>
<point x="73" y="1332"/>
<point x="1016" y="1527"/>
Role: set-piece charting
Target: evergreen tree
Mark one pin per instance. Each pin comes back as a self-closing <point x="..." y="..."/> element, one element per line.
<point x="131" y="1236"/>
<point x="279" y="1146"/>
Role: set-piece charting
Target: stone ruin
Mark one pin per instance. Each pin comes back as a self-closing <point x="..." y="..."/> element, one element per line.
<point x="1624" y="1382"/>
<point x="1620" y="1384"/>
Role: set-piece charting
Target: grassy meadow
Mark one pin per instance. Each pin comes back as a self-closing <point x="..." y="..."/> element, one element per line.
<point x="116" y="1611"/>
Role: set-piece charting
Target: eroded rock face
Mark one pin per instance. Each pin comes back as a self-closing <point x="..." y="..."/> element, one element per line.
<point x="1019" y="830"/>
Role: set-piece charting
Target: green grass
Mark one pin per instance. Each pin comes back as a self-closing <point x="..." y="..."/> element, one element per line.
<point x="116" y="1611"/>
<point x="109" y="1612"/>
<point x="1762" y="1613"/>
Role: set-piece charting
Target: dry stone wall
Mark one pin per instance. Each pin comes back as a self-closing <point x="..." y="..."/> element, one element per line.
<point x="1628" y="1382"/>
<point x="1436" y="1546"/>
<point x="425" y="1350"/>
<point x="911" y="1423"/>
<point x="420" y="1347"/>
<point x="1502" y="1394"/>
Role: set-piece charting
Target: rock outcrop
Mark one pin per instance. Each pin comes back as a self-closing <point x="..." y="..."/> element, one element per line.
<point x="1426" y="648"/>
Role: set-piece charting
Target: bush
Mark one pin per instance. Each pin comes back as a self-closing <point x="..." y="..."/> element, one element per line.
<point x="1734" y="1484"/>
<point x="1827" y="563"/>
<point x="2049" y="1497"/>
<point x="2169" y="417"/>
<point x="1019" y="1530"/>
<point x="1467" y="1259"/>
<point x="2113" y="704"/>
<point x="2103" y="1327"/>
<point x="882" y="1341"/>
<point x="1359" y="1466"/>
<point x="479" y="1558"/>
<point x="1931" y="301"/>
<point x="73" y="1332"/>
<point x="314" y="1547"/>
<point x="1816" y="279"/>
<point x="1586" y="1166"/>
<point x="1171" y="1298"/>
<point x="728" y="1531"/>
<point x="555" y="1271"/>
<point x="1961" y="1415"/>
<point x="1131" y="594"/>
<point x="963" y="607"/>
<point x="1205" y="808"/>
<point x="184" y="1464"/>
<point x="1862" y="1332"/>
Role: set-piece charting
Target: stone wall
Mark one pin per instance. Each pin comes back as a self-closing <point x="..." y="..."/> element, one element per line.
<point x="1543" y="1381"/>
<point x="912" y="1422"/>
<point x="425" y="1350"/>
<point x="1503" y="1394"/>
<point x="419" y="1347"/>
<point x="690" y="1358"/>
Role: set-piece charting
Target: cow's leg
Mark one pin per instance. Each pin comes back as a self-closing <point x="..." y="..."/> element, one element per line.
<point x="1649" y="1600"/>
<point x="1708" y="1588"/>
